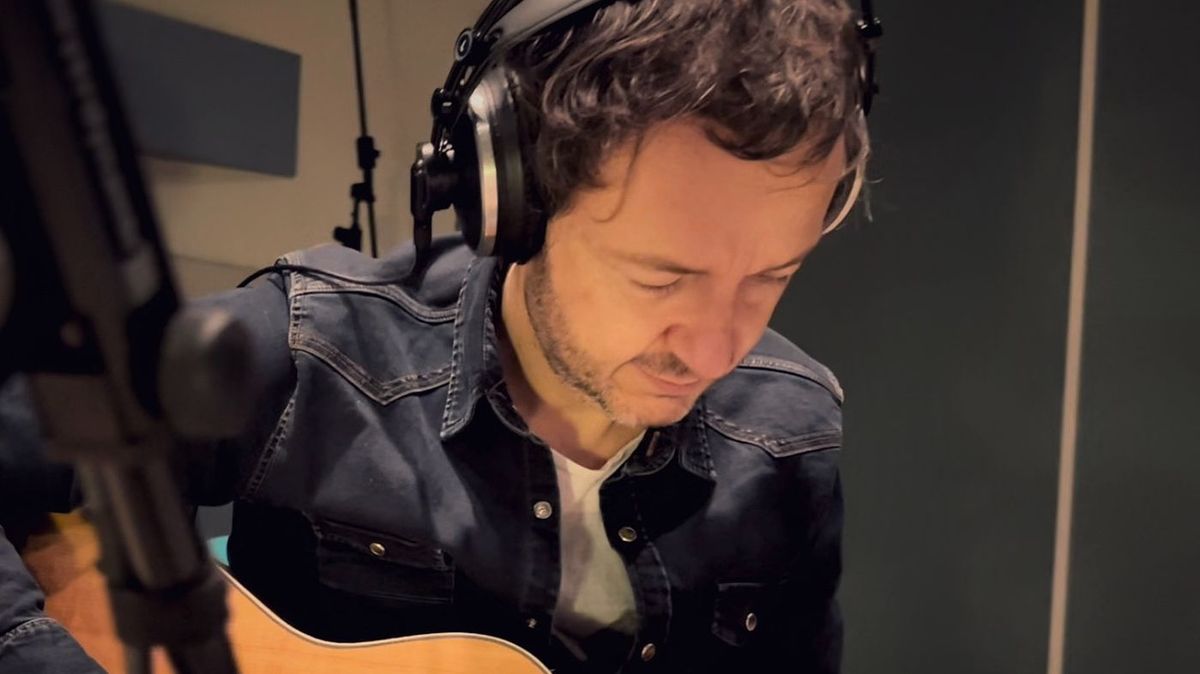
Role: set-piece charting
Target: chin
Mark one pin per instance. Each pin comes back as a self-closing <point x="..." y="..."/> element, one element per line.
<point x="651" y="410"/>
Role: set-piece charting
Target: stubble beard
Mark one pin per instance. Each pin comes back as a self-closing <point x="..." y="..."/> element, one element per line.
<point x="567" y="359"/>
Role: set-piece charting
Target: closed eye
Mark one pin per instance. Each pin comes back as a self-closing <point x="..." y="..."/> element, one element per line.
<point x="658" y="289"/>
<point x="775" y="280"/>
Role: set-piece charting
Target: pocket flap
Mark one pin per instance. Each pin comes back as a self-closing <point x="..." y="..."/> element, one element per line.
<point x="384" y="547"/>
<point x="376" y="564"/>
<point x="738" y="612"/>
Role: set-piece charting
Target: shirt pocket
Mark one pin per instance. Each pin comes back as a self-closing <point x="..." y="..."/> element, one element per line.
<point x="382" y="566"/>
<point x="741" y="613"/>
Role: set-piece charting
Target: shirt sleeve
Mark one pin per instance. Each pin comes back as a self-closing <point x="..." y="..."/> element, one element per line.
<point x="217" y="472"/>
<point x="30" y="641"/>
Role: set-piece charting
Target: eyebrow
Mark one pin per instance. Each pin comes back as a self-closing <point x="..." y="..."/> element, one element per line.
<point x="665" y="265"/>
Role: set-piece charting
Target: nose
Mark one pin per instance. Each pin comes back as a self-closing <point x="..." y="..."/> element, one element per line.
<point x="707" y="345"/>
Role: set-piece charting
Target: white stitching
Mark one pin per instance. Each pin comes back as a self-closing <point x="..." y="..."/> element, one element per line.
<point x="383" y="392"/>
<point x="28" y="627"/>
<point x="400" y="298"/>
<point x="816" y="440"/>
<point x="824" y="378"/>
<point x="456" y="349"/>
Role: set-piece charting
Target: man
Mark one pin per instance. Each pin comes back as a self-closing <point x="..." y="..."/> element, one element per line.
<point x="602" y="455"/>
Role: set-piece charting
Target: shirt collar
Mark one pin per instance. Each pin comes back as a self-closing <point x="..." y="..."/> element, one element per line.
<point x="683" y="444"/>
<point x="474" y="356"/>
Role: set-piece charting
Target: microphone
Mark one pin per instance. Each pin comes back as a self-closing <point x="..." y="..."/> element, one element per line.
<point x="6" y="281"/>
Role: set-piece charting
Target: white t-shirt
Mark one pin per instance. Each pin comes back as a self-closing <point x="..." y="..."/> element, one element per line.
<point x="594" y="592"/>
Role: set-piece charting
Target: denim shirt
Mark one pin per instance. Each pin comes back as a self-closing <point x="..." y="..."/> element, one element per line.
<point x="30" y="641"/>
<point x="389" y="486"/>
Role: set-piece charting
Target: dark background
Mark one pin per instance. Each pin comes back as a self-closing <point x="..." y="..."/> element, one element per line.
<point x="946" y="319"/>
<point x="1135" y="581"/>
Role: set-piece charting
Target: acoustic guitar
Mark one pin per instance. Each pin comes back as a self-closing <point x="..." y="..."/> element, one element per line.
<point x="63" y="560"/>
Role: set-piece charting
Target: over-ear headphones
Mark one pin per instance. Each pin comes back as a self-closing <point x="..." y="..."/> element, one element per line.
<point x="478" y="159"/>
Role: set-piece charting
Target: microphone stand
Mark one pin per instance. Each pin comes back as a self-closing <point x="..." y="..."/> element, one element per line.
<point x="89" y="312"/>
<point x="364" y="147"/>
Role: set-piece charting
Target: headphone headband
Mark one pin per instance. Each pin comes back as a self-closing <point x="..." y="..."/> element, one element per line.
<point x="502" y="24"/>
<point x="531" y="16"/>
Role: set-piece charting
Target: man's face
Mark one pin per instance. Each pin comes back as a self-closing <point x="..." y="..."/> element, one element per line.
<point x="657" y="284"/>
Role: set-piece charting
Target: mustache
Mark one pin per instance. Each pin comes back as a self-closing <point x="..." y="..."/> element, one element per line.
<point x="665" y="364"/>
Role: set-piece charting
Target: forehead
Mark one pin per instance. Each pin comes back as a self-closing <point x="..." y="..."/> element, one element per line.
<point x="676" y="185"/>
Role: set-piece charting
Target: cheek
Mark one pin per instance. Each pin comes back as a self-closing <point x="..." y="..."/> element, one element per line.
<point x="759" y="304"/>
<point x="605" y="318"/>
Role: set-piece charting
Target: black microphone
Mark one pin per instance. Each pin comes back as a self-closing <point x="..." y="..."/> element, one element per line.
<point x="6" y="283"/>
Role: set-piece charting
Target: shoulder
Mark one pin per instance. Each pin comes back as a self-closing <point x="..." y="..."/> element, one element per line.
<point x="778" y="399"/>
<point x="331" y="268"/>
<point x="356" y="315"/>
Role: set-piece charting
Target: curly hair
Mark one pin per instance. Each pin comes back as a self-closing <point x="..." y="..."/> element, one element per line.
<point x="766" y="76"/>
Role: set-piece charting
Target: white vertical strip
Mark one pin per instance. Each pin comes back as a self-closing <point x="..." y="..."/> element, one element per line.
<point x="1078" y="284"/>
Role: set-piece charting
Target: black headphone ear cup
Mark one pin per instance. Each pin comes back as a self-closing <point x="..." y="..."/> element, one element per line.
<point x="468" y="197"/>
<point x="498" y="202"/>
<point x="496" y="212"/>
<point x="530" y="236"/>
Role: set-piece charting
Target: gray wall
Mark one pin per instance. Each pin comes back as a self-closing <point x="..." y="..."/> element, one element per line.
<point x="1135" y="577"/>
<point x="946" y="320"/>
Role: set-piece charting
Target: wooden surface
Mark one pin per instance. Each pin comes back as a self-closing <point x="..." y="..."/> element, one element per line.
<point x="63" y="561"/>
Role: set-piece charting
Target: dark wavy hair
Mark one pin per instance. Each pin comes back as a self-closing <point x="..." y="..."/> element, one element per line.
<point x="765" y="76"/>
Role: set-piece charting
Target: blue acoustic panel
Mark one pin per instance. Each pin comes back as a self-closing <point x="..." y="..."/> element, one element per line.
<point x="196" y="94"/>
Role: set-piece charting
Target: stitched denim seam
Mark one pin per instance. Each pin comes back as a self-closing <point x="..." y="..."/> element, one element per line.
<point x="825" y="379"/>
<point x="263" y="467"/>
<point x="382" y="392"/>
<point x="702" y="442"/>
<point x="706" y="468"/>
<point x="420" y="556"/>
<point x="397" y="297"/>
<point x="796" y="444"/>
<point x="456" y="352"/>
<point x="28" y="627"/>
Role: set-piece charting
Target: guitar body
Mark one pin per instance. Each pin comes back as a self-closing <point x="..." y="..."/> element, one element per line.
<point x="64" y="563"/>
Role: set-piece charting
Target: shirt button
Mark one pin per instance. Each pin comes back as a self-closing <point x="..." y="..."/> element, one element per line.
<point x="543" y="510"/>
<point x="628" y="535"/>
<point x="531" y="623"/>
<point x="751" y="622"/>
<point x="648" y="652"/>
<point x="377" y="549"/>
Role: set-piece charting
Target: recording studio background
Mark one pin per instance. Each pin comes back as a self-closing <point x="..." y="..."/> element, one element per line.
<point x="946" y="316"/>
<point x="222" y="223"/>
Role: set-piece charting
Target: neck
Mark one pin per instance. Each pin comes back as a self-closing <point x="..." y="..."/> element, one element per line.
<point x="566" y="419"/>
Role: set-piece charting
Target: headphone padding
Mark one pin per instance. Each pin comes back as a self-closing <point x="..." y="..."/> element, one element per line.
<point x="510" y="210"/>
